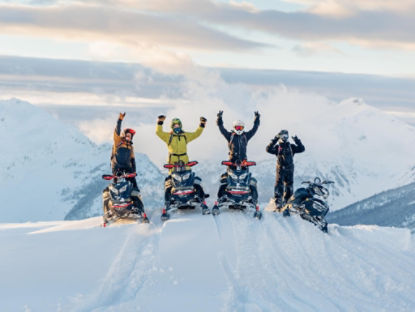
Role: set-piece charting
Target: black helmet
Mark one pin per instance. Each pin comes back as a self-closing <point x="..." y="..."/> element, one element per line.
<point x="283" y="135"/>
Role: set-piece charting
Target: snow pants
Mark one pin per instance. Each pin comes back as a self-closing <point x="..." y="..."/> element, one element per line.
<point x="284" y="184"/>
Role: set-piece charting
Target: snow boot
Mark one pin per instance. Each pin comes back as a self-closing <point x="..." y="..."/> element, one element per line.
<point x="215" y="209"/>
<point x="278" y="204"/>
<point x="205" y="209"/>
<point x="257" y="213"/>
<point x="164" y="215"/>
<point x="286" y="213"/>
<point x="144" y="218"/>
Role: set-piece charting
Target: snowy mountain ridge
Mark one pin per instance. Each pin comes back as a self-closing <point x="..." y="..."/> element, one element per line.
<point x="51" y="171"/>
<point x="364" y="150"/>
<point x="228" y="263"/>
<point x="394" y="207"/>
<point x="60" y="169"/>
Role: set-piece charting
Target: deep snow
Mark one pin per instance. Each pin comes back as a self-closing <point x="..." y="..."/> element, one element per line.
<point x="203" y="263"/>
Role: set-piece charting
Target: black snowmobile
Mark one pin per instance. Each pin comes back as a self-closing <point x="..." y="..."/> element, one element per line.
<point x="238" y="194"/>
<point x="306" y="203"/>
<point x="122" y="203"/>
<point x="184" y="194"/>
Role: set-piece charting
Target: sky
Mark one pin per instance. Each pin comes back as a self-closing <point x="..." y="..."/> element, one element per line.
<point x="85" y="61"/>
<point x="348" y="36"/>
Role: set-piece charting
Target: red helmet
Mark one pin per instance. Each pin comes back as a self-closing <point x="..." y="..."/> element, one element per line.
<point x="128" y="130"/>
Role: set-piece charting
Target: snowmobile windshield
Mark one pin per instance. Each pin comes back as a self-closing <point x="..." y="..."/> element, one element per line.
<point x="321" y="191"/>
<point x="182" y="176"/>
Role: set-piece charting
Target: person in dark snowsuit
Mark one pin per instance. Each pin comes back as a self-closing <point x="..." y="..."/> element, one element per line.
<point x="284" y="150"/>
<point x="123" y="160"/>
<point x="237" y="143"/>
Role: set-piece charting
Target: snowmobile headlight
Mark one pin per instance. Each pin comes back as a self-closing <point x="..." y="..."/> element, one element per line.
<point x="243" y="176"/>
<point x="186" y="176"/>
<point x="177" y="177"/>
<point x="233" y="176"/>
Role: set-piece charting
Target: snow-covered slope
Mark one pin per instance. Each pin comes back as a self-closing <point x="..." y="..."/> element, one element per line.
<point x="56" y="169"/>
<point x="390" y="208"/>
<point x="364" y="150"/>
<point x="199" y="263"/>
<point x="50" y="170"/>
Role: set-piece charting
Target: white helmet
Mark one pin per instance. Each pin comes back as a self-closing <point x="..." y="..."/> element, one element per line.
<point x="238" y="127"/>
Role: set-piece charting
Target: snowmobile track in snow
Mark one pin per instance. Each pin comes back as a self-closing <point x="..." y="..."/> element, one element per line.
<point x="229" y="262"/>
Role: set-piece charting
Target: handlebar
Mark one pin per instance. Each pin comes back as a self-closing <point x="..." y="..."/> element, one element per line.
<point x="318" y="182"/>
<point x="244" y="163"/>
<point x="189" y="164"/>
<point x="125" y="175"/>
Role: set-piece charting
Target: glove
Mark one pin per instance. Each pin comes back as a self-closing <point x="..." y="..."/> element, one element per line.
<point x="295" y="138"/>
<point x="257" y="114"/>
<point x="276" y="138"/>
<point x="203" y="121"/>
<point x="121" y="116"/>
<point x="220" y="114"/>
<point x="161" y="119"/>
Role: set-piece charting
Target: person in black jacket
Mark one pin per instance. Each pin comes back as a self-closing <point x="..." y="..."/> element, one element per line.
<point x="284" y="150"/>
<point x="237" y="143"/>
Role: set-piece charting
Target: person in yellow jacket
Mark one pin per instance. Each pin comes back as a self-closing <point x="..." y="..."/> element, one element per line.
<point x="177" y="141"/>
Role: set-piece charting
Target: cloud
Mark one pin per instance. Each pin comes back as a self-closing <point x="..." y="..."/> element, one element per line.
<point x="312" y="48"/>
<point x="129" y="27"/>
<point x="347" y="7"/>
<point x="205" y="25"/>
<point x="370" y="26"/>
<point x="362" y="22"/>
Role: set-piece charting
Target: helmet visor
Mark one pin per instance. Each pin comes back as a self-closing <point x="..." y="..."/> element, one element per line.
<point x="284" y="136"/>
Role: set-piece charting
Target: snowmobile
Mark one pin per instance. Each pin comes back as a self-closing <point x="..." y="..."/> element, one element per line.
<point x="306" y="203"/>
<point x="238" y="194"/>
<point x="119" y="204"/>
<point x="183" y="192"/>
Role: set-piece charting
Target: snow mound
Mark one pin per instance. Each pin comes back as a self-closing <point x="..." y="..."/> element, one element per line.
<point x="202" y="263"/>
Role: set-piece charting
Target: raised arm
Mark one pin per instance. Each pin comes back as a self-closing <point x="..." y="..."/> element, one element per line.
<point x="159" y="129"/>
<point x="254" y="129"/>
<point x="222" y="129"/>
<point x="272" y="147"/>
<point x="190" y="136"/>
<point x="298" y="147"/>
<point x="117" y="130"/>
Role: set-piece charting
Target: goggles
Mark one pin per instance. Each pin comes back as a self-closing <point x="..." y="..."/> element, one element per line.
<point x="239" y="128"/>
<point x="284" y="136"/>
